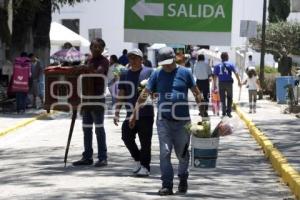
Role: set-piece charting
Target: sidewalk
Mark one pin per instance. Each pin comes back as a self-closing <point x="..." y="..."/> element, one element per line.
<point x="282" y="129"/>
<point x="278" y="135"/>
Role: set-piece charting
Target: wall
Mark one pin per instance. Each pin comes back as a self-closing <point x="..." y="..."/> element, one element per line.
<point x="109" y="14"/>
<point x="104" y="14"/>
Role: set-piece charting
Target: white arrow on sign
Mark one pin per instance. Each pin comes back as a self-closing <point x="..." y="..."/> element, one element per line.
<point x="150" y="9"/>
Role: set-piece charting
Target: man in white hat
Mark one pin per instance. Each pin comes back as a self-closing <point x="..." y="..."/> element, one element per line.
<point x="129" y="84"/>
<point x="171" y="84"/>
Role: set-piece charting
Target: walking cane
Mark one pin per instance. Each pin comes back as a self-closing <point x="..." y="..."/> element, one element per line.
<point x="240" y="92"/>
<point x="74" y="115"/>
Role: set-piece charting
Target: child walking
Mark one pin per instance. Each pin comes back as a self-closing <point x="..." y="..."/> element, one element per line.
<point x="253" y="86"/>
<point x="215" y="100"/>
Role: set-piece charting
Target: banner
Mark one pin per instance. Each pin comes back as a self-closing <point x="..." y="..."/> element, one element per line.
<point x="207" y="22"/>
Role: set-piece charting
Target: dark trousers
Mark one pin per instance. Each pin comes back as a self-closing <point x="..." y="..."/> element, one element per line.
<point x="21" y="98"/>
<point x="203" y="86"/>
<point x="225" y="90"/>
<point x="144" y="129"/>
<point x="88" y="119"/>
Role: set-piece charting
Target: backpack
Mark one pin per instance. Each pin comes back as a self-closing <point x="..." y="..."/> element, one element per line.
<point x="21" y="75"/>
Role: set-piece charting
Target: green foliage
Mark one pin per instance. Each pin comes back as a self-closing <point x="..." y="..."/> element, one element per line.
<point x="57" y="4"/>
<point x="35" y="5"/>
<point x="279" y="10"/>
<point x="268" y="70"/>
<point x="281" y="38"/>
<point x="269" y="85"/>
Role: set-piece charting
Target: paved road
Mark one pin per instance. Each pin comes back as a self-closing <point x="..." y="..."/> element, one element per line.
<point x="32" y="167"/>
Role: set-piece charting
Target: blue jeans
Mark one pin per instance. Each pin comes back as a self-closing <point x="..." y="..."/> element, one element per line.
<point x="88" y="118"/>
<point x="21" y="98"/>
<point x="173" y="134"/>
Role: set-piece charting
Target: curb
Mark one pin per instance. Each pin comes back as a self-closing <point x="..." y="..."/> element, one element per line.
<point x="289" y="175"/>
<point x="24" y="123"/>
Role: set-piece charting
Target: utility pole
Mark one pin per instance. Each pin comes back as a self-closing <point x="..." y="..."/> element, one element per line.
<point x="263" y="46"/>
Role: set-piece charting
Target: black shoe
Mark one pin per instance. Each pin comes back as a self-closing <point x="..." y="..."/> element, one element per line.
<point x="83" y="161"/>
<point x="205" y="114"/>
<point x="229" y="115"/>
<point x="101" y="163"/>
<point x="164" y="191"/>
<point x="183" y="186"/>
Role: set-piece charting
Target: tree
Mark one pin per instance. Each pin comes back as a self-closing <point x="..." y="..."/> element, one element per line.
<point x="279" y="10"/>
<point x="4" y="33"/>
<point x="283" y="38"/>
<point x="31" y="26"/>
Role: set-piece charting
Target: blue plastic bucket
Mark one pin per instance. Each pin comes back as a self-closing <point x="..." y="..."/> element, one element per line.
<point x="281" y="92"/>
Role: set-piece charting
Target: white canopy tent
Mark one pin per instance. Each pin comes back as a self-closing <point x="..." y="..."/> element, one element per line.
<point x="60" y="34"/>
<point x="157" y="46"/>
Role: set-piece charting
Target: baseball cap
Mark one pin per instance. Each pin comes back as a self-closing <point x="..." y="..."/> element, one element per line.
<point x="166" y="56"/>
<point x="136" y="52"/>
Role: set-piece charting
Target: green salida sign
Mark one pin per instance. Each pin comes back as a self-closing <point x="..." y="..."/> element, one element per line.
<point x="176" y="21"/>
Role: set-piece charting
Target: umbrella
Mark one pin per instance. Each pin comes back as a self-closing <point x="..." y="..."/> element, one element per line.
<point x="68" y="55"/>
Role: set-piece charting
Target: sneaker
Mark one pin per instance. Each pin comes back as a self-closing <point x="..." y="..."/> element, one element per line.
<point x="101" y="163"/>
<point x="83" y="161"/>
<point x="250" y="111"/>
<point x="229" y="115"/>
<point x="137" y="167"/>
<point x="164" y="191"/>
<point x="254" y="111"/>
<point x="183" y="186"/>
<point x="143" y="172"/>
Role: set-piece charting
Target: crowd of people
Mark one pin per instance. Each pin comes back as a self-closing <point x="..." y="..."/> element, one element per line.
<point x="132" y="81"/>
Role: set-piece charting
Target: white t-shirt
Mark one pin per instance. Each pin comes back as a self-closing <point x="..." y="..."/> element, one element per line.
<point x="252" y="83"/>
<point x="202" y="70"/>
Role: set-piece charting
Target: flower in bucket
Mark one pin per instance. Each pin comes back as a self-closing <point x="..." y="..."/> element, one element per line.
<point x="200" y="129"/>
<point x="143" y="84"/>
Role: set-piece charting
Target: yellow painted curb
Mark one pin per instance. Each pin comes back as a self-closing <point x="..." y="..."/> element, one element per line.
<point x="289" y="175"/>
<point x="24" y="123"/>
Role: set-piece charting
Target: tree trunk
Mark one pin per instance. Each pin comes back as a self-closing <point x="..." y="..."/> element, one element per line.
<point x="5" y="36"/>
<point x="23" y="18"/>
<point x="41" y="32"/>
<point x="263" y="48"/>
